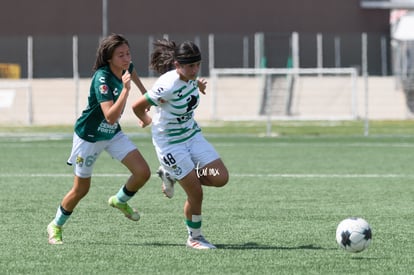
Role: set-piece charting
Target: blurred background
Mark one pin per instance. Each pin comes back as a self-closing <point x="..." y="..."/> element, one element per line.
<point x="361" y="50"/>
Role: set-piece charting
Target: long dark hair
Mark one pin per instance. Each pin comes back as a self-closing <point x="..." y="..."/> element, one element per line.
<point x="166" y="52"/>
<point x="106" y="49"/>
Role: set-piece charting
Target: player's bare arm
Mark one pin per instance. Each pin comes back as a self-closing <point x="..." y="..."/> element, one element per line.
<point x="135" y="78"/>
<point x="112" y="111"/>
<point x="140" y="108"/>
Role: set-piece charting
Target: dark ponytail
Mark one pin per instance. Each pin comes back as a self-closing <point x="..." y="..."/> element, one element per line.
<point x="162" y="57"/>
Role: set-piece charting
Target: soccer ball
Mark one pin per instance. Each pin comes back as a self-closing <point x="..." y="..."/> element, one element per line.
<point x="353" y="234"/>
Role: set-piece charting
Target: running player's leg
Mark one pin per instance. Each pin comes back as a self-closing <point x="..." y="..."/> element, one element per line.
<point x="124" y="150"/>
<point x="140" y="171"/>
<point x="178" y="163"/>
<point x="192" y="187"/>
<point x="214" y="174"/>
<point x="192" y="211"/>
<point x="210" y="169"/>
<point x="72" y="198"/>
<point x="83" y="156"/>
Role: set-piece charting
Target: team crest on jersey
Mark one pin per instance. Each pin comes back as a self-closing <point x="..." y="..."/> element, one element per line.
<point x="79" y="161"/>
<point x="103" y="89"/>
<point x="177" y="170"/>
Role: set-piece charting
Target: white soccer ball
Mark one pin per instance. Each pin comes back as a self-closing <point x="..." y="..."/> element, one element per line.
<point x="353" y="234"/>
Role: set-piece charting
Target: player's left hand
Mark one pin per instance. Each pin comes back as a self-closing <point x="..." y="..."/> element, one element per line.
<point x="126" y="79"/>
<point x="202" y="84"/>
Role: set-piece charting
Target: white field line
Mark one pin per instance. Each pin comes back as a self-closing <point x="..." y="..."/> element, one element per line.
<point x="51" y="175"/>
<point x="321" y="144"/>
<point x="272" y="146"/>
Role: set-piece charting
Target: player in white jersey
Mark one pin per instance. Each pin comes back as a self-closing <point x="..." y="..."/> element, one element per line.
<point x="184" y="154"/>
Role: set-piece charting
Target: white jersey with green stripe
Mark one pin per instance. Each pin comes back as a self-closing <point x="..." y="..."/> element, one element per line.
<point x="175" y="101"/>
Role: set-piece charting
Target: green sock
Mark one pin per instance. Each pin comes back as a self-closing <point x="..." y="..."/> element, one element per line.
<point x="194" y="226"/>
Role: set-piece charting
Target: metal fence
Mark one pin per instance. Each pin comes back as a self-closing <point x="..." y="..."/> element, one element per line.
<point x="53" y="56"/>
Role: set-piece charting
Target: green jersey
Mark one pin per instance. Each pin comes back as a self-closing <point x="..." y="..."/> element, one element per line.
<point x="91" y="125"/>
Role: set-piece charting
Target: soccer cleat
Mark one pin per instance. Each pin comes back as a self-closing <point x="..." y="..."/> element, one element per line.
<point x="167" y="183"/>
<point x="129" y="212"/>
<point x="55" y="233"/>
<point x="199" y="243"/>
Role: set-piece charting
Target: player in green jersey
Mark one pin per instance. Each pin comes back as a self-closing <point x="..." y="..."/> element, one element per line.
<point x="98" y="129"/>
<point x="184" y="154"/>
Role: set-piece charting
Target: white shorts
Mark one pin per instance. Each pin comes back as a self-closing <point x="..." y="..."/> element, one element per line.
<point x="182" y="158"/>
<point x="84" y="153"/>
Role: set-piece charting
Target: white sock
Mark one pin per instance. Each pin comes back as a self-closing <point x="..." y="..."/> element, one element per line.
<point x="194" y="232"/>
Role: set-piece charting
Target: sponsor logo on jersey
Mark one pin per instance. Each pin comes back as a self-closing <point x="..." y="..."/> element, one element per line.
<point x="159" y="91"/>
<point x="107" y="128"/>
